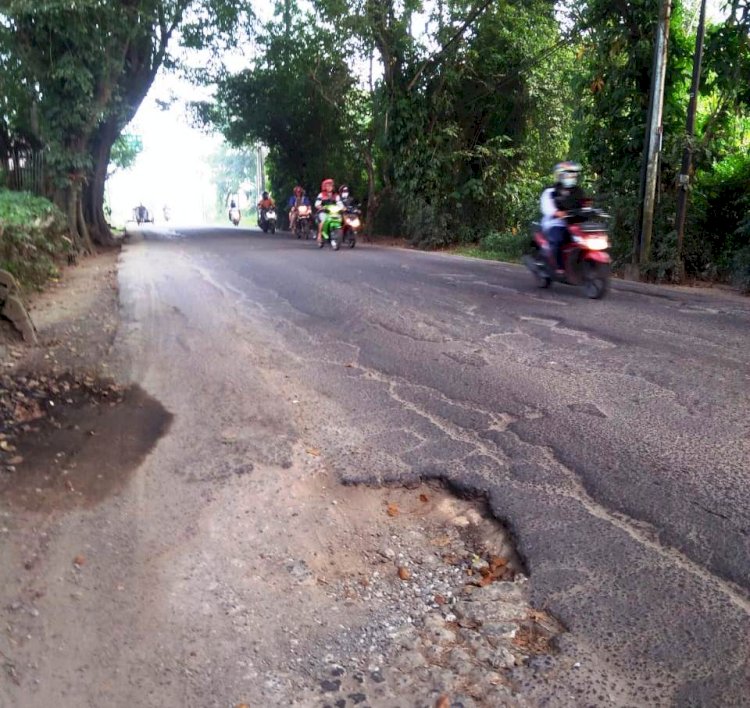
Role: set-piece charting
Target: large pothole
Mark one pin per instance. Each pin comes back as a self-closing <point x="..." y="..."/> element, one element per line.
<point x="72" y="441"/>
<point x="432" y="598"/>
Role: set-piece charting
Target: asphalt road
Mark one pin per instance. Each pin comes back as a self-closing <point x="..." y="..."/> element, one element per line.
<point x="612" y="437"/>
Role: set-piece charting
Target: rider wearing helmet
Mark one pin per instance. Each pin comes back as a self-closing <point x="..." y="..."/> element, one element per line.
<point x="327" y="196"/>
<point x="297" y="199"/>
<point x="555" y="204"/>
<point x="346" y="198"/>
<point x="266" y="202"/>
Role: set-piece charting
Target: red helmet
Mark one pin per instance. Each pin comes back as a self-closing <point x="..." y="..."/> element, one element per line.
<point x="327" y="185"/>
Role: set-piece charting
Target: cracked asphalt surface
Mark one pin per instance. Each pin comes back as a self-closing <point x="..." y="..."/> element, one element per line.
<point x="612" y="437"/>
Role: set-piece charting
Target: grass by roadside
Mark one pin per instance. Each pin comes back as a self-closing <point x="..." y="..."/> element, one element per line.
<point x="496" y="246"/>
<point x="33" y="238"/>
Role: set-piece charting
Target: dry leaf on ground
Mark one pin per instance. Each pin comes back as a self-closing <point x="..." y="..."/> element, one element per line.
<point x="424" y="498"/>
<point x="404" y="573"/>
<point x="313" y="451"/>
<point x="392" y="509"/>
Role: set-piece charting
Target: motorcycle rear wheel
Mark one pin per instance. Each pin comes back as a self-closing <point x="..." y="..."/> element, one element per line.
<point x="540" y="272"/>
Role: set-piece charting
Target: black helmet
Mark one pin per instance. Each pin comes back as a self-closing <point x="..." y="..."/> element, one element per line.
<point x="265" y="195"/>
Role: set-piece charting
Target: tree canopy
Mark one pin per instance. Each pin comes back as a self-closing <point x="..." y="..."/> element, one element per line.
<point x="76" y="73"/>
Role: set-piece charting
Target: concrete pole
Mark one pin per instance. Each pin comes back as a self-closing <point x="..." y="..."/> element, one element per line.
<point x="687" y="155"/>
<point x="654" y="135"/>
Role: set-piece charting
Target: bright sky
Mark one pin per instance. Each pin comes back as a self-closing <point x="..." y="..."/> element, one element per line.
<point x="173" y="168"/>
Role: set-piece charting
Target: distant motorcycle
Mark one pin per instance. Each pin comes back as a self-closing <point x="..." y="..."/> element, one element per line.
<point x="352" y="226"/>
<point x="235" y="216"/>
<point x="303" y="222"/>
<point x="141" y="214"/>
<point x="267" y="220"/>
<point x="585" y="256"/>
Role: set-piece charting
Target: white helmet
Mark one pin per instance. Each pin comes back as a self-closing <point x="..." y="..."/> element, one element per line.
<point x="567" y="173"/>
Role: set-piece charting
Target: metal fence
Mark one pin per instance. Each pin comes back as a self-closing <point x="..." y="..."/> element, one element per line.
<point x="23" y="170"/>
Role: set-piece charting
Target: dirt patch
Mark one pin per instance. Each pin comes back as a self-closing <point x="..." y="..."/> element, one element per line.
<point x="67" y="442"/>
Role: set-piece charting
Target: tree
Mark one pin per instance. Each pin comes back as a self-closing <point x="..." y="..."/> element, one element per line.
<point x="612" y="84"/>
<point x="295" y="99"/>
<point x="83" y="70"/>
<point x="124" y="152"/>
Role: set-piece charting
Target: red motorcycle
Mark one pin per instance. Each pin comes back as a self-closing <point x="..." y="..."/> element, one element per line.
<point x="585" y="254"/>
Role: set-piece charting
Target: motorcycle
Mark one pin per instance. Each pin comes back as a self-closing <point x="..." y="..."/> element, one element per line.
<point x="333" y="225"/>
<point x="235" y="216"/>
<point x="352" y="226"/>
<point x="141" y="215"/>
<point x="267" y="220"/>
<point x="585" y="255"/>
<point x="303" y="222"/>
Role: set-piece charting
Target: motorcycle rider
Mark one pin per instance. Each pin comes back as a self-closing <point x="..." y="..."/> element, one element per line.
<point x="327" y="196"/>
<point x="232" y="207"/>
<point x="297" y="199"/>
<point x="346" y="199"/>
<point x="555" y="203"/>
<point x="264" y="204"/>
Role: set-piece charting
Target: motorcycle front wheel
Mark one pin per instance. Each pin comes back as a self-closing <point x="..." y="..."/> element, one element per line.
<point x="595" y="279"/>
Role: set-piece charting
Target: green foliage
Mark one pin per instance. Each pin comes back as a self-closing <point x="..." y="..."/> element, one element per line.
<point x="613" y="84"/>
<point x="741" y="270"/>
<point x="33" y="235"/>
<point x="506" y="246"/>
<point x="720" y="220"/>
<point x="76" y="73"/>
<point x="296" y="100"/>
<point x="125" y="152"/>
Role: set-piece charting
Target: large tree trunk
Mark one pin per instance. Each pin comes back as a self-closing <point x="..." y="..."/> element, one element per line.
<point x="72" y="206"/>
<point x="93" y="195"/>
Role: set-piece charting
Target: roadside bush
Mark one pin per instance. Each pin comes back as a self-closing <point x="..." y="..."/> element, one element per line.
<point x="741" y="270"/>
<point x="33" y="235"/>
<point x="426" y="225"/>
<point x="500" y="246"/>
<point x="505" y="245"/>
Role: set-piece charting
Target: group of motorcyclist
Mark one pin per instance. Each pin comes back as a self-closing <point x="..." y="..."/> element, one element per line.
<point x="556" y="203"/>
<point x="328" y="195"/>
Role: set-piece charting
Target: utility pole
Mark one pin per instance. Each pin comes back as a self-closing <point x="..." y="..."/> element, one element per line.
<point x="687" y="155"/>
<point x="650" y="172"/>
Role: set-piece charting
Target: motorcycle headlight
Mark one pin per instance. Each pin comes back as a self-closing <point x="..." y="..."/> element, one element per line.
<point x="597" y="243"/>
<point x="354" y="223"/>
